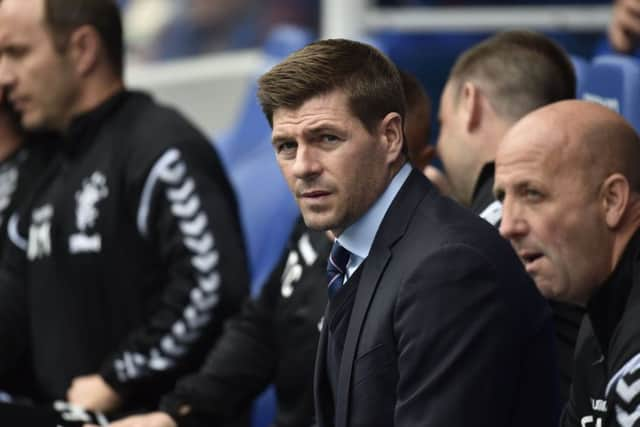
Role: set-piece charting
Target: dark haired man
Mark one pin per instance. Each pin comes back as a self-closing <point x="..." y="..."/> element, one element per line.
<point x="423" y="295"/>
<point x="417" y="121"/>
<point x="129" y="256"/>
<point x="274" y="338"/>
<point x="490" y="87"/>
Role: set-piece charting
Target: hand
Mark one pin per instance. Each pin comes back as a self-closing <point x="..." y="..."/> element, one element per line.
<point x="154" y="419"/>
<point x="624" y="29"/>
<point x="93" y="393"/>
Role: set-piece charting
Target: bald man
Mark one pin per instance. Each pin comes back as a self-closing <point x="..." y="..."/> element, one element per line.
<point x="568" y="177"/>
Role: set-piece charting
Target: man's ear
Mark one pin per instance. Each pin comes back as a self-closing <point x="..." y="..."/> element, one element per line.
<point x="614" y="196"/>
<point x="84" y="47"/>
<point x="471" y="105"/>
<point x="392" y="135"/>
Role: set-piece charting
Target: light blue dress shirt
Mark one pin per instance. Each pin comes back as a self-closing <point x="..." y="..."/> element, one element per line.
<point x="358" y="237"/>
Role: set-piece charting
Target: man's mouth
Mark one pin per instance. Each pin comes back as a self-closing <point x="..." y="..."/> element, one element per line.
<point x="18" y="103"/>
<point x="313" y="194"/>
<point x="529" y="258"/>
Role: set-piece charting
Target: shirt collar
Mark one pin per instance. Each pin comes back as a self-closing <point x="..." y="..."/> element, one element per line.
<point x="84" y="125"/>
<point x="358" y="237"/>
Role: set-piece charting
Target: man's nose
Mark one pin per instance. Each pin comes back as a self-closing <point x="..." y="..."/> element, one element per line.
<point x="513" y="223"/>
<point x="7" y="75"/>
<point x="306" y="163"/>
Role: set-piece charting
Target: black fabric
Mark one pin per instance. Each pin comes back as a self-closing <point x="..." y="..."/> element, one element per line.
<point x="16" y="415"/>
<point x="566" y="323"/>
<point x="273" y="340"/>
<point x="605" y="390"/>
<point x="566" y="317"/>
<point x="483" y="190"/>
<point x="338" y="314"/>
<point x="133" y="255"/>
<point x="19" y="174"/>
<point x="447" y="329"/>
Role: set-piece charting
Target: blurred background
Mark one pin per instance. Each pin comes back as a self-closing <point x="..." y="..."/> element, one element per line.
<point x="204" y="55"/>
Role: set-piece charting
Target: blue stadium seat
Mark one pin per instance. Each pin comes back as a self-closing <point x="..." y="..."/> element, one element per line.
<point x="581" y="67"/>
<point x="267" y="208"/>
<point x="614" y="81"/>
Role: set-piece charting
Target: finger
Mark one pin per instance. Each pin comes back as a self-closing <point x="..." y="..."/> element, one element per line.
<point x="619" y="39"/>
<point x="631" y="7"/>
<point x="628" y="22"/>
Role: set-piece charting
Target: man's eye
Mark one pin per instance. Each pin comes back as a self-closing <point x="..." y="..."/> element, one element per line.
<point x="286" y="146"/>
<point x="532" y="194"/>
<point x="329" y="138"/>
<point x="14" y="51"/>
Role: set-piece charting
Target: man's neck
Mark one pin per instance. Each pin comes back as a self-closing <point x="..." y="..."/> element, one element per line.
<point x="93" y="94"/>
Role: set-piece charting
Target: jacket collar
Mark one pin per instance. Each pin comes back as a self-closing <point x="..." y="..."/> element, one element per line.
<point x="393" y="227"/>
<point x="84" y="126"/>
<point x="607" y="305"/>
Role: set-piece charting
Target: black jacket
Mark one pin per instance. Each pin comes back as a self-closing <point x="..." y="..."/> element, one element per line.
<point x="19" y="173"/>
<point x="128" y="258"/>
<point x="446" y="329"/>
<point x="606" y="389"/>
<point x="273" y="340"/>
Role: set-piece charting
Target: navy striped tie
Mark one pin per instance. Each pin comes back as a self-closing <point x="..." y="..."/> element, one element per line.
<point x="337" y="267"/>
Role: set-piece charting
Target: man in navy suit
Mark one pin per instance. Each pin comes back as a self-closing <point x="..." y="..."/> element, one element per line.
<point x="432" y="320"/>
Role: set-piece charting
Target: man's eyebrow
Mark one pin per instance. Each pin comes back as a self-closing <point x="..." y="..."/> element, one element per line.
<point x="275" y="139"/>
<point x="322" y="128"/>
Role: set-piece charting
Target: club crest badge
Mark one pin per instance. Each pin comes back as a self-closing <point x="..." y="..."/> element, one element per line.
<point x="94" y="189"/>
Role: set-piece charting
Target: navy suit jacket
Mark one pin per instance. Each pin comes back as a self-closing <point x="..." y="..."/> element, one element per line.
<point x="447" y="329"/>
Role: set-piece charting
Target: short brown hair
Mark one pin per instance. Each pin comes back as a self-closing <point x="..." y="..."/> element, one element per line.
<point x="64" y="16"/>
<point x="370" y="80"/>
<point x="522" y="70"/>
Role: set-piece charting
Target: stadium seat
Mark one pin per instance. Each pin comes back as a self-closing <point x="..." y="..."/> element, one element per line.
<point x="266" y="206"/>
<point x="267" y="209"/>
<point x="614" y="81"/>
<point x="581" y="68"/>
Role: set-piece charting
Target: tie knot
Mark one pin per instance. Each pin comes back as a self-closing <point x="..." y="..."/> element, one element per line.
<point x="339" y="257"/>
<point x="337" y="267"/>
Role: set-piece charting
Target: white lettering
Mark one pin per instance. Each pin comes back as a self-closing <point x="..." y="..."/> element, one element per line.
<point x="599" y="405"/>
<point x="79" y="243"/>
<point x="39" y="241"/>
<point x="42" y="214"/>
<point x="589" y="421"/>
<point x="291" y="274"/>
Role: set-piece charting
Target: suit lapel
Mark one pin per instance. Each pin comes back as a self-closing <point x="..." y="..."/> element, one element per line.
<point x="392" y="228"/>
<point x="322" y="391"/>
